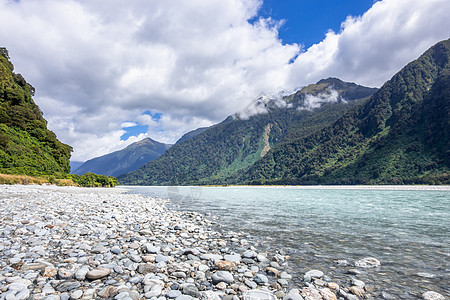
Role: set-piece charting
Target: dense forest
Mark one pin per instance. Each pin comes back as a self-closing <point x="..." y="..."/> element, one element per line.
<point x="398" y="136"/>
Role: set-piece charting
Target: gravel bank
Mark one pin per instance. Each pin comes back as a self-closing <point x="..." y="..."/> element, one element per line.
<point x="78" y="243"/>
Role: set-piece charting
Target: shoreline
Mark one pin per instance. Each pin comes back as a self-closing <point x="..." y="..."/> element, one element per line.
<point x="324" y="187"/>
<point x="97" y="243"/>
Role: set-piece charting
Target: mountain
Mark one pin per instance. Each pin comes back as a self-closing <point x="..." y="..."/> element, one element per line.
<point x="220" y="151"/>
<point x="400" y="136"/>
<point x="125" y="160"/>
<point x="26" y="145"/>
<point x="74" y="165"/>
<point x="191" y="134"/>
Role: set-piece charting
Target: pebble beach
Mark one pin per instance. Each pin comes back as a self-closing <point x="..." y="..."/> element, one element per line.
<point x="91" y="243"/>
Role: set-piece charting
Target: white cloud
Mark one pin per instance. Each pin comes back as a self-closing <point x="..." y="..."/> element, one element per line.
<point x="371" y="48"/>
<point x="99" y="64"/>
<point x="315" y="101"/>
<point x="128" y="124"/>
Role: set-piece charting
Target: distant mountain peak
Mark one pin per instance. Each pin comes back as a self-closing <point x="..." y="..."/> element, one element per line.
<point x="125" y="160"/>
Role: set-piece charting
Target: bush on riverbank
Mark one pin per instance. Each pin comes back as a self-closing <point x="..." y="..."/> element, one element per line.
<point x="94" y="180"/>
<point x="86" y="180"/>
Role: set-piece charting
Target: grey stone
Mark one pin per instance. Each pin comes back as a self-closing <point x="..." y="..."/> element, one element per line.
<point x="155" y="291"/>
<point x="184" y="297"/>
<point x="135" y="279"/>
<point x="368" y="262"/>
<point x="99" y="249"/>
<point x="77" y="294"/>
<point x="81" y="273"/>
<point x="192" y="251"/>
<point x="251" y="284"/>
<point x="258" y="294"/>
<point x="222" y="276"/>
<point x="430" y="295"/>
<point x="191" y="290"/>
<point x="17" y="286"/>
<point x="354" y="271"/>
<point x="64" y="274"/>
<point x="387" y="296"/>
<point x="261" y="279"/>
<point x="285" y="275"/>
<point x="22" y="295"/>
<point x="98" y="273"/>
<point x="179" y="274"/>
<point x="213" y="257"/>
<point x="314" y="274"/>
<point x="162" y="258"/>
<point x="152" y="249"/>
<point x="261" y="258"/>
<point x="358" y="283"/>
<point x="249" y="254"/>
<point x="136" y="258"/>
<point x="293" y="294"/>
<point x="116" y="250"/>
<point x="147" y="268"/>
<point x="52" y="297"/>
<point x="235" y="258"/>
<point x="173" y="294"/>
<point x="283" y="282"/>
<point x="67" y="286"/>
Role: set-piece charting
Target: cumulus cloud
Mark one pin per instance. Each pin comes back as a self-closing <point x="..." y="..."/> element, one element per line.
<point x="99" y="65"/>
<point x="371" y="48"/>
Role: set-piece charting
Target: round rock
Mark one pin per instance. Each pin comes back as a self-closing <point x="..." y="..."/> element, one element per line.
<point x="432" y="296"/>
<point x="173" y="294"/>
<point x="222" y="276"/>
<point x="314" y="274"/>
<point x="261" y="279"/>
<point x="191" y="290"/>
<point x="98" y="273"/>
<point x="368" y="262"/>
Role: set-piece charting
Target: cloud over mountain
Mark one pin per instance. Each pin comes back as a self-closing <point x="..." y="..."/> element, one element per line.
<point x="99" y="65"/>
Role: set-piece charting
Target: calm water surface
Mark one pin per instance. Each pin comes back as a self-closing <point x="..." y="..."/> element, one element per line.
<point x="407" y="230"/>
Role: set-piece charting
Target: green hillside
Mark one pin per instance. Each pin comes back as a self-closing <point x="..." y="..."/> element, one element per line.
<point x="400" y="136"/>
<point x="26" y="145"/>
<point x="237" y="143"/>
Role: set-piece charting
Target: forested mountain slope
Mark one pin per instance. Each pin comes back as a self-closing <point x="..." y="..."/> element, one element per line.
<point x="220" y="151"/>
<point x="399" y="136"/>
<point x="26" y="145"/>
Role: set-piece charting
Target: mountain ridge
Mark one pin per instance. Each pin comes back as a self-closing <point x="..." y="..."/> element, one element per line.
<point x="238" y="142"/>
<point x="122" y="161"/>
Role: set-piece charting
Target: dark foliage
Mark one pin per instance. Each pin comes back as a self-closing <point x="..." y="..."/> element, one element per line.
<point x="26" y="145"/>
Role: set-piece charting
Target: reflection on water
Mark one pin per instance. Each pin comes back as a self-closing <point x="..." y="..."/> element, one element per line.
<point x="408" y="231"/>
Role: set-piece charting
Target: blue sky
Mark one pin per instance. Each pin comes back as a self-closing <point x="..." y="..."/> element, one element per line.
<point x="109" y="73"/>
<point x="306" y="22"/>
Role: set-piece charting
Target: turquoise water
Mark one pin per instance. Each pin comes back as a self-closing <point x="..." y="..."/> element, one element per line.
<point x="407" y="230"/>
